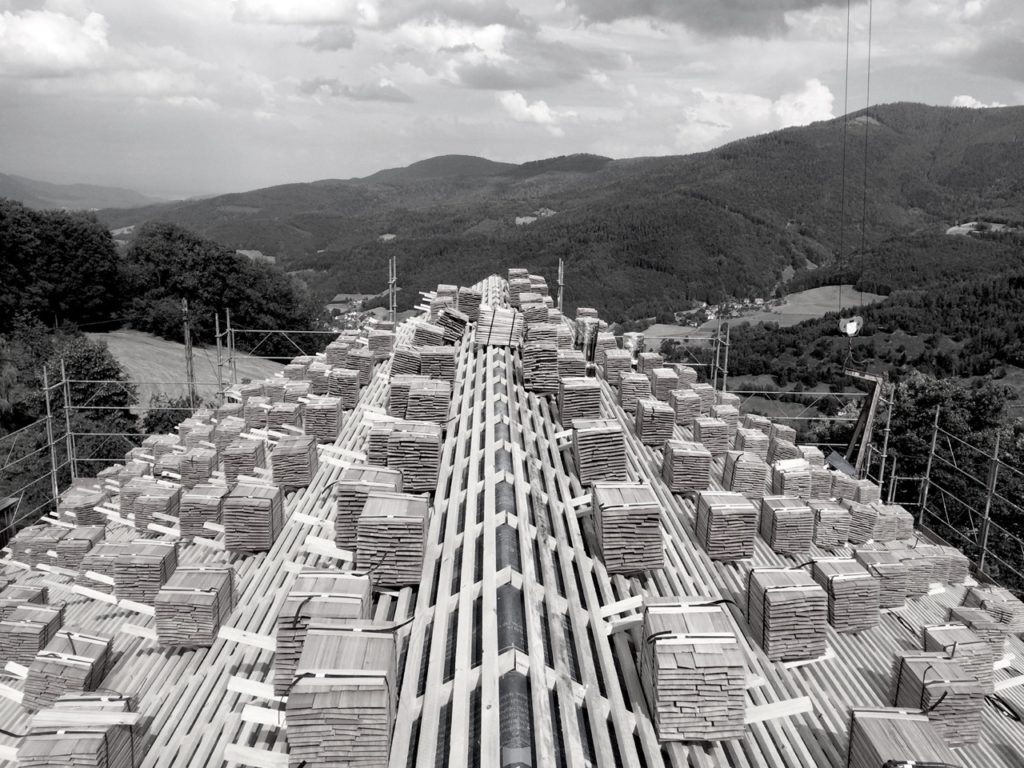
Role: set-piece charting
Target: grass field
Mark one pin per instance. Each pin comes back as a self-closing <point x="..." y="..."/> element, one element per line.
<point x="804" y="305"/>
<point x="157" y="365"/>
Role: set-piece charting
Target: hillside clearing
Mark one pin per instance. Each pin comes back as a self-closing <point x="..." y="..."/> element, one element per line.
<point x="158" y="366"/>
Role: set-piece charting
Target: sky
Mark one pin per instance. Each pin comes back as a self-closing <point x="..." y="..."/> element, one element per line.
<point x="188" y="97"/>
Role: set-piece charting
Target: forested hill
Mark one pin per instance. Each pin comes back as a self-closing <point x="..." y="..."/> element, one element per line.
<point x="639" y="236"/>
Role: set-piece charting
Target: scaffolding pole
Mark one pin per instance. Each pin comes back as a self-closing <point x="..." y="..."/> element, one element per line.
<point x="725" y="366"/>
<point x="69" y="437"/>
<point x="54" y="485"/>
<point x="561" y="283"/>
<point x="232" y="364"/>
<point x="190" y="372"/>
<point x="221" y="386"/>
<point x="392" y="288"/>
<point x="928" y="468"/>
<point x="993" y="478"/>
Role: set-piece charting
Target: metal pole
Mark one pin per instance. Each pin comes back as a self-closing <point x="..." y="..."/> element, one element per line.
<point x="392" y="288"/>
<point x="993" y="476"/>
<point x="561" y="283"/>
<point x="718" y="353"/>
<point x="725" y="368"/>
<point x="891" y="402"/>
<point x="892" y="482"/>
<point x="928" y="469"/>
<point x="54" y="485"/>
<point x="69" y="436"/>
<point x="190" y="373"/>
<point x="231" y="347"/>
<point x="220" y="359"/>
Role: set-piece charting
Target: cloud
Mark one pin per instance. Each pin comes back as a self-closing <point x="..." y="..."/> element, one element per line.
<point x="1001" y="56"/>
<point x="384" y="90"/>
<point x="382" y="14"/>
<point x="332" y="38"/>
<point x="537" y="112"/>
<point x="760" y="18"/>
<point x="47" y="43"/>
<point x="303" y="12"/>
<point x="969" y="101"/>
<point x="717" y="117"/>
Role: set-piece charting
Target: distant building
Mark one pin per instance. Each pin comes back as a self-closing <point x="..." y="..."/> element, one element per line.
<point x="387" y="237"/>
<point x="257" y="256"/>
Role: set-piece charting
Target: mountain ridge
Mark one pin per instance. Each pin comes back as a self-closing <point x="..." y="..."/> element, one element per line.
<point x="48" y="195"/>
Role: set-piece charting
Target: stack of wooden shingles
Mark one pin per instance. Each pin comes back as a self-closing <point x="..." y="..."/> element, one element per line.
<point x="867" y="492"/>
<point x="787" y="612"/>
<point x="692" y="668"/>
<point x="729" y="414"/>
<point x="414" y="449"/>
<point x="72" y="662"/>
<point x="316" y="598"/>
<point x="655" y="421"/>
<point x="318" y="374"/>
<point x="343" y="383"/>
<point x="428" y="400"/>
<point x="341" y="704"/>
<point x="889" y="570"/>
<point x="985" y="625"/>
<point x="618" y="363"/>
<point x="253" y="516"/>
<point x="255" y="412"/>
<point x="632" y="387"/>
<point x="784" y="450"/>
<point x="405" y="361"/>
<point x="243" y="457"/>
<point x="15" y="595"/>
<point x="646" y="362"/>
<point x="398" y="398"/>
<point x="599" y="450"/>
<point x="1001" y="603"/>
<point x="540" y="367"/>
<point x="714" y="433"/>
<point x="444" y="298"/>
<point x="199" y="506"/>
<point x="381" y="343"/>
<point x="853" y="595"/>
<point x="919" y="569"/>
<point x="951" y="565"/>
<point x="469" y="303"/>
<point x="755" y="421"/>
<point x="687" y="375"/>
<point x="227" y="431"/>
<point x="84" y="731"/>
<point x="578" y="398"/>
<point x="686" y="404"/>
<point x="664" y="381"/>
<point x="565" y="338"/>
<point x="438" y="362"/>
<point x="627" y="522"/>
<point x="787" y="524"/>
<point x="31" y="545"/>
<point x="726" y="525"/>
<point x="155" y="504"/>
<point x="571" y="363"/>
<point x="896" y="737"/>
<point x="454" y="324"/>
<point x="634" y="342"/>
<point x="78" y="505"/>
<point x="77" y="544"/>
<point x="142" y="568"/>
<point x="26" y="629"/>
<point x="821" y="482"/>
<point x="193" y="604"/>
<point x="197" y="466"/>
<point x="361" y="360"/>
<point x="391" y="537"/>
<point x="99" y="561"/>
<point x="350" y="492"/>
<point x="964" y="646"/>
<point x="606" y="342"/>
<point x="831" y="524"/>
<point x="952" y="697"/>
<point x="791" y="477"/>
<point x="500" y="327"/>
<point x="296" y="369"/>
<point x="323" y="420"/>
<point x="745" y="473"/>
<point x="534" y="310"/>
<point x="283" y="415"/>
<point x="294" y="461"/>
<point x="843" y="486"/>
<point x="517" y="286"/>
<point x="707" y="396"/>
<point x="377" y="441"/>
<point x="686" y="466"/>
<point x="427" y="335"/>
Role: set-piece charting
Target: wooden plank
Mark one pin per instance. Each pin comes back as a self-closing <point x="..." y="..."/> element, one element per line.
<point x="260" y="758"/>
<point x="778" y="709"/>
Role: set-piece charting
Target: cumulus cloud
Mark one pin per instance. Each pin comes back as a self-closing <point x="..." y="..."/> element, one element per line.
<point x="761" y="18"/>
<point x="47" y="43"/>
<point x="537" y="112"/>
<point x="964" y="100"/>
<point x="383" y="90"/>
<point x="382" y="14"/>
<point x="717" y="117"/>
<point x="302" y="12"/>
<point x="332" y="38"/>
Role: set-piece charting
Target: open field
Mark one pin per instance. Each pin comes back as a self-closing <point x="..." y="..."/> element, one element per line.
<point x="158" y="365"/>
<point x="797" y="307"/>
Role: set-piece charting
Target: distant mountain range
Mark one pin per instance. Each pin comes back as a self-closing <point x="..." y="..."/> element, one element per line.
<point x="644" y="235"/>
<point x="44" y="195"/>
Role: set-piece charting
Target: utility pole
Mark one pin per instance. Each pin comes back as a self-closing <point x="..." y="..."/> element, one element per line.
<point x="190" y="372"/>
<point x="561" y="283"/>
<point x="392" y="288"/>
